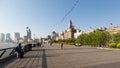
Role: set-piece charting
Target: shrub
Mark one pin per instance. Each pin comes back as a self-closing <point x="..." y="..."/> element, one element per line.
<point x="118" y="45"/>
<point x="112" y="45"/>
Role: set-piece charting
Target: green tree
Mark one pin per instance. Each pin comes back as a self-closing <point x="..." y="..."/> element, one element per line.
<point x="116" y="37"/>
<point x="96" y="38"/>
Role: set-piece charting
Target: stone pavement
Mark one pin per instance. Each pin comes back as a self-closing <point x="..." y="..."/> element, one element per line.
<point x="68" y="57"/>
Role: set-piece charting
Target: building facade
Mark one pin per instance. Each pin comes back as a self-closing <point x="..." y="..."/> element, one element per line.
<point x="113" y="30"/>
<point x="61" y="36"/>
<point x="8" y="37"/>
<point x="29" y="34"/>
<point x="54" y="35"/>
<point x="70" y="32"/>
<point x="16" y="36"/>
<point x="77" y="33"/>
<point x="2" y="37"/>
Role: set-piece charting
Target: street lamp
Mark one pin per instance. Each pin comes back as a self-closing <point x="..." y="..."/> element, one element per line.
<point x="27" y="28"/>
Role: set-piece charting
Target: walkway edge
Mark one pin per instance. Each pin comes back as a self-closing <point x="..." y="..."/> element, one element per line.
<point x="107" y="48"/>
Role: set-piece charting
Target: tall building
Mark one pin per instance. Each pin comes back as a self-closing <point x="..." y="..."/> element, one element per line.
<point x="69" y="32"/>
<point x="16" y="37"/>
<point x="29" y="34"/>
<point x="2" y="37"/>
<point x="8" y="37"/>
<point x="25" y="38"/>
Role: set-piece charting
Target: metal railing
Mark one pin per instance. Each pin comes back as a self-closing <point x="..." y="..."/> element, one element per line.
<point x="7" y="52"/>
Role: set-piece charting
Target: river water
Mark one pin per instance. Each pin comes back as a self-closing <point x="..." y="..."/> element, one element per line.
<point x="7" y="45"/>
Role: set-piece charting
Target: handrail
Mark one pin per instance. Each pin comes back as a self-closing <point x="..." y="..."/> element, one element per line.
<point x="2" y="53"/>
<point x="7" y="48"/>
<point x="11" y="51"/>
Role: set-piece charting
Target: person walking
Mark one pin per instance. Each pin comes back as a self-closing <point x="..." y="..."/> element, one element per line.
<point x="50" y="43"/>
<point x="61" y="45"/>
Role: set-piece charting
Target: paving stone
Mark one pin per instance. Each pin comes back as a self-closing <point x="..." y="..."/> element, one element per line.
<point x="68" y="57"/>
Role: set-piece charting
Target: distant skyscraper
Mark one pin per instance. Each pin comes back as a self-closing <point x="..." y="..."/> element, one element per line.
<point x="17" y="37"/>
<point x="2" y="37"/>
<point x="25" y="37"/>
<point x="8" y="37"/>
<point x="29" y="34"/>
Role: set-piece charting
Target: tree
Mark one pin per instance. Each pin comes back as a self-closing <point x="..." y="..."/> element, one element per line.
<point x="116" y="37"/>
<point x="96" y="38"/>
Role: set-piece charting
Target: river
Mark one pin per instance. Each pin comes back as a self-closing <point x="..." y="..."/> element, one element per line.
<point x="7" y="45"/>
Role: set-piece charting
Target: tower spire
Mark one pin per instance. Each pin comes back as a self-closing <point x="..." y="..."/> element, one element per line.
<point x="70" y="24"/>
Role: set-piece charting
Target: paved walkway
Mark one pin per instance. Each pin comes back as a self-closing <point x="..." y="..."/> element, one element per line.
<point x="68" y="57"/>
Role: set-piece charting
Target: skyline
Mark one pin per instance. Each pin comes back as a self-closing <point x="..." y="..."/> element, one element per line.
<point x="41" y="15"/>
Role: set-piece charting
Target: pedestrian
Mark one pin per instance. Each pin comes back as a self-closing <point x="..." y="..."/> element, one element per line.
<point x="50" y="43"/>
<point x="19" y="51"/>
<point x="30" y="46"/>
<point x="40" y="44"/>
<point x="61" y="45"/>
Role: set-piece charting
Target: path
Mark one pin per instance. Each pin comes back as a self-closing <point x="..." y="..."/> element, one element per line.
<point x="68" y="57"/>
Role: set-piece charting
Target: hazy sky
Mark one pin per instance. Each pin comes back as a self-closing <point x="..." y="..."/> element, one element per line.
<point x="41" y="15"/>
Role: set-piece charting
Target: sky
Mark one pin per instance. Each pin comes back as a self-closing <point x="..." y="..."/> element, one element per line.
<point x="44" y="16"/>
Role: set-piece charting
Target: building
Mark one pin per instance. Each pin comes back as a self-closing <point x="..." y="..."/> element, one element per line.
<point x="17" y="37"/>
<point x="92" y="30"/>
<point x="54" y="36"/>
<point x="77" y="33"/>
<point x="113" y="30"/>
<point x="29" y="34"/>
<point x="69" y="32"/>
<point x="25" y="38"/>
<point x="49" y="37"/>
<point x="2" y="37"/>
<point x="8" y="37"/>
<point x="89" y="31"/>
<point x="61" y="36"/>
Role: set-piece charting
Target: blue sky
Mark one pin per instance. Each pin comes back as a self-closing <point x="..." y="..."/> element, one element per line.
<point x="41" y="15"/>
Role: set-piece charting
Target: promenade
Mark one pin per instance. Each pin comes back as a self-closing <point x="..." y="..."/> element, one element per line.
<point x="68" y="57"/>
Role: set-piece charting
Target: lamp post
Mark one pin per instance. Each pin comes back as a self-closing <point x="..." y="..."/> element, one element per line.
<point x="27" y="28"/>
<point x="34" y="39"/>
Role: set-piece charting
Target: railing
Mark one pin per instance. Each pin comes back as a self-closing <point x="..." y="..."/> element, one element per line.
<point x="6" y="52"/>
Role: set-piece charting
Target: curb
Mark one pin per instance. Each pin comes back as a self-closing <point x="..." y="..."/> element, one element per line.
<point x="107" y="48"/>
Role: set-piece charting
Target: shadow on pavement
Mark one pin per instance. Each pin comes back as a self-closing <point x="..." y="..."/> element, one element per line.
<point x="44" y="59"/>
<point x="8" y="61"/>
